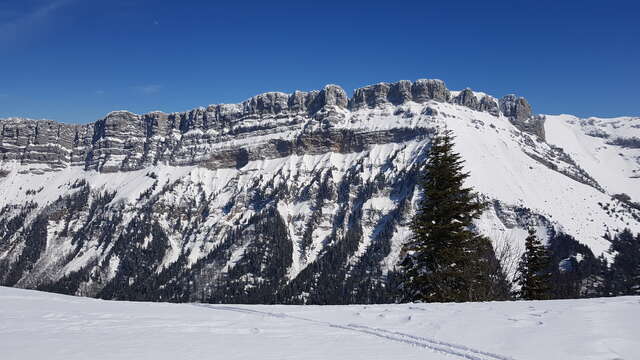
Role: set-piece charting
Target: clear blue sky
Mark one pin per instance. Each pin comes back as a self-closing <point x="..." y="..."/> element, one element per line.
<point x="76" y="60"/>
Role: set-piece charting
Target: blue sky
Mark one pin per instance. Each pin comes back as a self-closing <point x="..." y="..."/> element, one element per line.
<point x="76" y="60"/>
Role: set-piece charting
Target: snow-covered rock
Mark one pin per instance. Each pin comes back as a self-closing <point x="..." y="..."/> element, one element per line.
<point x="287" y="195"/>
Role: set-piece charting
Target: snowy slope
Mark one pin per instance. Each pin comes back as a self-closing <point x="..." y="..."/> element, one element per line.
<point x="593" y="144"/>
<point x="35" y="325"/>
<point x="283" y="196"/>
<point x="501" y="167"/>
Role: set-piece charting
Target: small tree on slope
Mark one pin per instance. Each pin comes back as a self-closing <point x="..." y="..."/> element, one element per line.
<point x="445" y="260"/>
<point x="534" y="276"/>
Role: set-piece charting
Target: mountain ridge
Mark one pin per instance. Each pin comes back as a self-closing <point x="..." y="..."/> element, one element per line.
<point x="369" y="95"/>
<point x="132" y="136"/>
<point x="303" y="198"/>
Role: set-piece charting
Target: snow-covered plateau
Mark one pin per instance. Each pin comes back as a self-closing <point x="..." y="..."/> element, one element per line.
<point x="292" y="198"/>
<point x="36" y="325"/>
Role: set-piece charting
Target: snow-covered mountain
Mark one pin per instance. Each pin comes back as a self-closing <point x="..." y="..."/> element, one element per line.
<point x="293" y="197"/>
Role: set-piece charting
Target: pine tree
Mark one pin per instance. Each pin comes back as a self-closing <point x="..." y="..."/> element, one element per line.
<point x="597" y="283"/>
<point x="625" y="269"/>
<point x="534" y="276"/>
<point x="445" y="260"/>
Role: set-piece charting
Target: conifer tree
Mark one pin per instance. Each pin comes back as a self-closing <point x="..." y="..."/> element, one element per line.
<point x="534" y="276"/>
<point x="445" y="260"/>
<point x="625" y="269"/>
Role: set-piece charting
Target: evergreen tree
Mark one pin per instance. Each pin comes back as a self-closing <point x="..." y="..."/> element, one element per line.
<point x="625" y="269"/>
<point x="445" y="260"/>
<point x="533" y="270"/>
<point x="575" y="272"/>
<point x="595" y="283"/>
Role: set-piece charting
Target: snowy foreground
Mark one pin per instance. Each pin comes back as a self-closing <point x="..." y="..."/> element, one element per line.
<point x="36" y="325"/>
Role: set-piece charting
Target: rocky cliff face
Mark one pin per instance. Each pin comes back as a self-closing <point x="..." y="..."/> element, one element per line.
<point x="124" y="141"/>
<point x="518" y="110"/>
<point x="300" y="197"/>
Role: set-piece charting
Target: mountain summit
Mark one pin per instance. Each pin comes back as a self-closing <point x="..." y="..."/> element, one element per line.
<point x="300" y="198"/>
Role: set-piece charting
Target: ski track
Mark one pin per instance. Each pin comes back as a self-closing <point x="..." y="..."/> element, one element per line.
<point x="447" y="348"/>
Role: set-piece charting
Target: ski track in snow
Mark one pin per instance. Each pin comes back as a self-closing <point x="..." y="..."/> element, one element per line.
<point x="447" y="348"/>
<point x="37" y="325"/>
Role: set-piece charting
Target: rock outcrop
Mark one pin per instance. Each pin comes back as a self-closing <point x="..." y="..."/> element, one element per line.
<point x="289" y="198"/>
<point x="467" y="98"/>
<point x="489" y="105"/>
<point x="123" y="141"/>
<point x="518" y="110"/>
<point x="515" y="107"/>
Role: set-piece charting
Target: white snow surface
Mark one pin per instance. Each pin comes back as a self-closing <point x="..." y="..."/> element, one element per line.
<point x="36" y="325"/>
<point x="500" y="158"/>
<point x="588" y="141"/>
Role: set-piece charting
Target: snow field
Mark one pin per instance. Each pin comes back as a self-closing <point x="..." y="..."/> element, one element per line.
<point x="35" y="325"/>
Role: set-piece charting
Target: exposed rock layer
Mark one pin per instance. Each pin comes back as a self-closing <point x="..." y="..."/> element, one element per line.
<point x="283" y="198"/>
<point x="124" y="141"/>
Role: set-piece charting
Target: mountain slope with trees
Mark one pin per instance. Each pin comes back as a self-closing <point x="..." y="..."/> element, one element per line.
<point x="287" y="198"/>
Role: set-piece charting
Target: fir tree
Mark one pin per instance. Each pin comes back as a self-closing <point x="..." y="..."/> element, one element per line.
<point x="445" y="260"/>
<point x="533" y="270"/>
<point x="625" y="269"/>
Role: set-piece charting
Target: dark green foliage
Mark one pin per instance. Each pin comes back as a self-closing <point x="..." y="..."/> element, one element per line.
<point x="491" y="282"/>
<point x="445" y="260"/>
<point x="323" y="195"/>
<point x="35" y="244"/>
<point x="266" y="259"/>
<point x="635" y="287"/>
<point x="248" y="261"/>
<point x="147" y="193"/>
<point x="534" y="277"/>
<point x="575" y="271"/>
<point x="140" y="249"/>
<point x="334" y="277"/>
<point x="626" y="199"/>
<point x="64" y="210"/>
<point x="630" y="142"/>
<point x="624" y="274"/>
<point x="9" y="225"/>
<point x="69" y="283"/>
